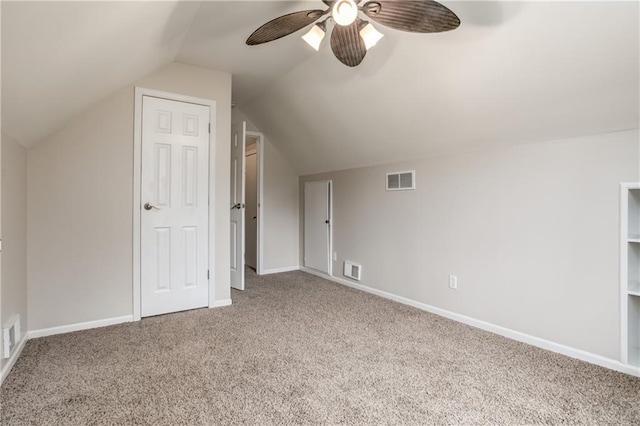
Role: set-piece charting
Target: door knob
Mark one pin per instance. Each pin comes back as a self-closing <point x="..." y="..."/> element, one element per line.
<point x="237" y="206"/>
<point x="148" y="206"/>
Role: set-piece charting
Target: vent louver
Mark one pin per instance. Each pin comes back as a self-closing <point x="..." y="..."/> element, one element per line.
<point x="401" y="181"/>
<point x="10" y="336"/>
<point x="352" y="270"/>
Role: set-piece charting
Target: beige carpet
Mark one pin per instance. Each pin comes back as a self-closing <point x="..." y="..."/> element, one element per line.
<point x="295" y="349"/>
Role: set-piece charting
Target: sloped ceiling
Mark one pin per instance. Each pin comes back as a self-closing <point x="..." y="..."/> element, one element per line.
<point x="59" y="58"/>
<point x="513" y="73"/>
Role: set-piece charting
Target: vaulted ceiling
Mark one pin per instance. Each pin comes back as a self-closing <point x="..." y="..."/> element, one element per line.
<point x="512" y="73"/>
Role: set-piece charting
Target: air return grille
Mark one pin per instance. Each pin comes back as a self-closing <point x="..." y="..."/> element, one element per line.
<point x="401" y="181"/>
<point x="352" y="270"/>
<point x="10" y="336"/>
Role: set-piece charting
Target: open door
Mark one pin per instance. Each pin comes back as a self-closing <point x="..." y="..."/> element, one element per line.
<point x="238" y="135"/>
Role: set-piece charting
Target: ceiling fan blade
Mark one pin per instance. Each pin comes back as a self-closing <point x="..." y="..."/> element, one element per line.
<point x="418" y="16"/>
<point x="328" y="2"/>
<point x="283" y="26"/>
<point x="347" y="44"/>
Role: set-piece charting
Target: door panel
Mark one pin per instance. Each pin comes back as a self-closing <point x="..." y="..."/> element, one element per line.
<point x="238" y="135"/>
<point x="317" y="236"/>
<point x="251" y="212"/>
<point x="175" y="206"/>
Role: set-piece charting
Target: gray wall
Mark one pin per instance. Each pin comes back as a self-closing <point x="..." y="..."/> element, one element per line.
<point x="280" y="205"/>
<point x="80" y="221"/>
<point x="14" y="233"/>
<point x="531" y="231"/>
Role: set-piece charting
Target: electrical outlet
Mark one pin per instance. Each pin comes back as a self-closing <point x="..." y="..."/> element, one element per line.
<point x="335" y="256"/>
<point x="453" y="282"/>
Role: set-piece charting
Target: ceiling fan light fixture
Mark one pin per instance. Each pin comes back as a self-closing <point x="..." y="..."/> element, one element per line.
<point x="344" y="12"/>
<point x="315" y="35"/>
<point x="370" y="35"/>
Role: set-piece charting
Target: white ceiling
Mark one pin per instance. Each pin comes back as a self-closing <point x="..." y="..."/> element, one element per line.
<point x="58" y="58"/>
<point x="512" y="73"/>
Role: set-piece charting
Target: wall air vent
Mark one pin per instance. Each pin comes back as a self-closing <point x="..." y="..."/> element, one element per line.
<point x="10" y="336"/>
<point x="401" y="181"/>
<point x="352" y="270"/>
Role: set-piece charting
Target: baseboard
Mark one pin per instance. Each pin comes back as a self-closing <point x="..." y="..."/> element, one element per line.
<point x="13" y="358"/>
<point x="220" y="303"/>
<point x="279" y="270"/>
<point x="321" y="275"/>
<point x="33" y="334"/>
<point x="589" y="357"/>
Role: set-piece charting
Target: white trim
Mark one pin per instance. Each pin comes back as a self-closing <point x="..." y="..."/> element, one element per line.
<point x="260" y="234"/>
<point x="624" y="200"/>
<point x="330" y="254"/>
<point x="502" y="331"/>
<point x="399" y="188"/>
<point x="137" y="168"/>
<point x="13" y="358"/>
<point x="43" y="332"/>
<point x="319" y="274"/>
<point x="279" y="270"/>
<point x="220" y="303"/>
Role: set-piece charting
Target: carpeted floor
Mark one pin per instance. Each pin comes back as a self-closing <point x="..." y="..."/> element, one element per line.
<point x="296" y="349"/>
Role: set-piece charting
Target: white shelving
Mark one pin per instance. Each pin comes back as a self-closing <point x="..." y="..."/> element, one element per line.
<point x="630" y="273"/>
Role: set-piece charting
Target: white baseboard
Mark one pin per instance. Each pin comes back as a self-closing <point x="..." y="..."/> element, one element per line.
<point x="589" y="357"/>
<point x="13" y="358"/>
<point x="322" y="275"/>
<point x="220" y="303"/>
<point x="279" y="270"/>
<point x="33" y="334"/>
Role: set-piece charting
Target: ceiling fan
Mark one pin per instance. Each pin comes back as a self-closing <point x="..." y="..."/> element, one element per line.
<point x="352" y="35"/>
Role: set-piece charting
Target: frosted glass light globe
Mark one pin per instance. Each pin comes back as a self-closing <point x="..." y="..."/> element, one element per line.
<point x="344" y="12"/>
<point x="370" y="35"/>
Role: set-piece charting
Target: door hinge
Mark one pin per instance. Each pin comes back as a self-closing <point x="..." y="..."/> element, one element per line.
<point x="207" y="274"/>
<point x="209" y="127"/>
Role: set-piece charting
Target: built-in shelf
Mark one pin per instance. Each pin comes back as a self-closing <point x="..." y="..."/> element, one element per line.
<point x="630" y="273"/>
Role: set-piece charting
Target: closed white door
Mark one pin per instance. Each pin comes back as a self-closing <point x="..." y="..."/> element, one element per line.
<point x="238" y="135"/>
<point x="175" y="206"/>
<point x="317" y="226"/>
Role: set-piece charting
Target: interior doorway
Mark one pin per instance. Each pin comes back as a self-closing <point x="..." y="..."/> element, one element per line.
<point x="173" y="206"/>
<point x="252" y="201"/>
<point x="317" y="226"/>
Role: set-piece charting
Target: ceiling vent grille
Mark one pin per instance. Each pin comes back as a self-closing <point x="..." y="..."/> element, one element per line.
<point x="352" y="270"/>
<point x="401" y="181"/>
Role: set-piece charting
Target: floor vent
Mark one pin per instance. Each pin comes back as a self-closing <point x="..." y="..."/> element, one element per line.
<point x="352" y="270"/>
<point x="10" y="336"/>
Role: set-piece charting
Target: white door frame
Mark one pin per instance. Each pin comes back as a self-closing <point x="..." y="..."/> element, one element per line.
<point x="137" y="174"/>
<point x="260" y="175"/>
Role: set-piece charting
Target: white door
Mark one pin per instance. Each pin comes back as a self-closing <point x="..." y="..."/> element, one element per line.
<point x="251" y="211"/>
<point x="238" y="134"/>
<point x="175" y="206"/>
<point x="317" y="226"/>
